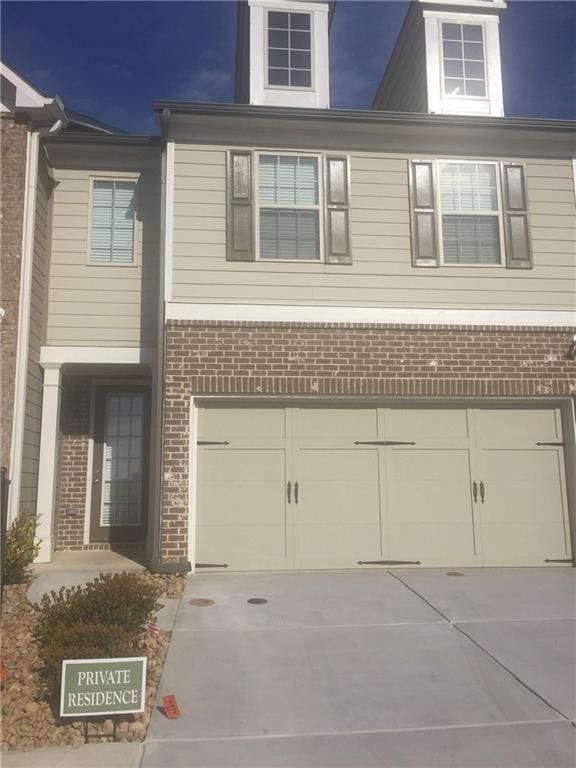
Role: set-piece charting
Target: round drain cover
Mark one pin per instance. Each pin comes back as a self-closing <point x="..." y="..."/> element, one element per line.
<point x="454" y="573"/>
<point x="201" y="602"/>
<point x="257" y="601"/>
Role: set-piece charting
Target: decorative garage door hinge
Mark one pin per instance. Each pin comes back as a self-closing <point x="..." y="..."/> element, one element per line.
<point x="389" y="562"/>
<point x="212" y="565"/>
<point x="568" y="560"/>
<point x="383" y="442"/>
<point x="559" y="444"/>
<point x="213" y="442"/>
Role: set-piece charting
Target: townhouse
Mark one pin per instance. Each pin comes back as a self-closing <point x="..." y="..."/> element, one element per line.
<point x="285" y="336"/>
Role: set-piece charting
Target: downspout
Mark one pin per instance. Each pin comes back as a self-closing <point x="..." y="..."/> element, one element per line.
<point x="21" y="371"/>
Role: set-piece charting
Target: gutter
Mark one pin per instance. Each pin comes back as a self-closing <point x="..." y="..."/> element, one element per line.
<point x="209" y="109"/>
<point x="21" y="371"/>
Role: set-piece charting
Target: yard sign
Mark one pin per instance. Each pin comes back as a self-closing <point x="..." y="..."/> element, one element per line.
<point x="103" y="687"/>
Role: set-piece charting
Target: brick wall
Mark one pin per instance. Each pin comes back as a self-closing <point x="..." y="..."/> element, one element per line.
<point x="72" y="463"/>
<point x="13" y="157"/>
<point x="331" y="359"/>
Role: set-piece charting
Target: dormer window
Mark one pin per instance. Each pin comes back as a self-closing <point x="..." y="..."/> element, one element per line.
<point x="463" y="60"/>
<point x="289" y="50"/>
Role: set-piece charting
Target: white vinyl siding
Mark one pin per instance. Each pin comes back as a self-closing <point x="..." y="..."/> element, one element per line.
<point x="112" y="222"/>
<point x="381" y="274"/>
<point x="288" y="196"/>
<point x="470" y="213"/>
<point x="463" y="60"/>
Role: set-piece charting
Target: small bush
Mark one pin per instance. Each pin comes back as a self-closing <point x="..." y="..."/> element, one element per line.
<point x="19" y="549"/>
<point x="114" y="600"/>
<point x="84" y="640"/>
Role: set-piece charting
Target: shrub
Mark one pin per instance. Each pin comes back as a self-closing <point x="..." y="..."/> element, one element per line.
<point x="84" y="640"/>
<point x="19" y="549"/>
<point x="114" y="600"/>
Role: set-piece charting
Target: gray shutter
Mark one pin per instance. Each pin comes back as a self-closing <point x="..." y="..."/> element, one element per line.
<point x="337" y="202"/>
<point x="517" y="232"/>
<point x="422" y="216"/>
<point x="239" y="217"/>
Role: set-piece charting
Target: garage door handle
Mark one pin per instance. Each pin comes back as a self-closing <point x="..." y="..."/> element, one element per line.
<point x="475" y="491"/>
<point x="482" y="492"/>
<point x="289" y="491"/>
<point x="296" y="492"/>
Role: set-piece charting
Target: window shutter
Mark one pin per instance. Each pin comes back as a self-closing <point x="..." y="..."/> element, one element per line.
<point x="239" y="218"/>
<point x="517" y="233"/>
<point x="423" y="223"/>
<point x="337" y="206"/>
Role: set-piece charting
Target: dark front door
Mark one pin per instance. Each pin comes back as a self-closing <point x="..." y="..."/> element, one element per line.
<point x="120" y="471"/>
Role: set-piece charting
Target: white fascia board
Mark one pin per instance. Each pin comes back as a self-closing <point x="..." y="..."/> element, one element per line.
<point x="51" y="356"/>
<point x="371" y="315"/>
<point x="284" y="5"/>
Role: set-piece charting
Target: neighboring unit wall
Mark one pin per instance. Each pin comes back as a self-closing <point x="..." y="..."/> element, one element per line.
<point x="33" y="406"/>
<point x="95" y="304"/>
<point x="381" y="273"/>
<point x="13" y="136"/>
<point x="258" y="359"/>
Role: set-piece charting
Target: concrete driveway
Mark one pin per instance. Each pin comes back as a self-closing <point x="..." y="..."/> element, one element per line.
<point x="351" y="670"/>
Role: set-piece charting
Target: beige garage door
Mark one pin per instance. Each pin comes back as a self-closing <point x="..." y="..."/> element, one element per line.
<point x="310" y="487"/>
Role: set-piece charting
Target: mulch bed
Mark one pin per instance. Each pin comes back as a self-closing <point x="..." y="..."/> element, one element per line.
<point x="28" y="720"/>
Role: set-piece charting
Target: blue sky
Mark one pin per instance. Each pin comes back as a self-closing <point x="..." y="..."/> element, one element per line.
<point x="112" y="59"/>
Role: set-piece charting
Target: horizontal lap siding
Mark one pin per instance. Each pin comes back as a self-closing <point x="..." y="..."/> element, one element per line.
<point x="381" y="273"/>
<point x="95" y="305"/>
<point x="34" y="380"/>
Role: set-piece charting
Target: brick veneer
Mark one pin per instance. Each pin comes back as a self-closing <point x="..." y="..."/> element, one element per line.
<point x="72" y="462"/>
<point x="13" y="154"/>
<point x="340" y="359"/>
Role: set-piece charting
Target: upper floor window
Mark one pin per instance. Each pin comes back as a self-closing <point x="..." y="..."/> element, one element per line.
<point x="289" y="207"/>
<point x="112" y="221"/>
<point x="289" y="49"/>
<point x="463" y="60"/>
<point x="470" y="213"/>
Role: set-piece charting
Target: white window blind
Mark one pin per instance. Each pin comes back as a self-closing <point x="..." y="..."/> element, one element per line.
<point x="112" y="230"/>
<point x="289" y="214"/>
<point x="470" y="213"/>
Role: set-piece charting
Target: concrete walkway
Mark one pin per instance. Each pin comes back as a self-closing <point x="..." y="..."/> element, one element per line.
<point x="346" y="669"/>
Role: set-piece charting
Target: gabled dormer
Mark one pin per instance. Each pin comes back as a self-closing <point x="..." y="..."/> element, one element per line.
<point x="282" y="53"/>
<point x="446" y="60"/>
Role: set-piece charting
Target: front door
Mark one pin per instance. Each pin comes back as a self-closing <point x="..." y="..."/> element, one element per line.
<point x="120" y="469"/>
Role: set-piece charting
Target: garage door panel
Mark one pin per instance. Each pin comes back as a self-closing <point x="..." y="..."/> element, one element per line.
<point x="519" y="425"/>
<point x="335" y="546"/>
<point x="411" y="424"/>
<point x="338" y="514"/>
<point x="243" y="547"/>
<point x="522" y="465"/>
<point x="355" y="423"/>
<point x="433" y="544"/>
<point x="229" y="423"/>
<point x="508" y="544"/>
<point x="428" y="485"/>
<point x="246" y="486"/>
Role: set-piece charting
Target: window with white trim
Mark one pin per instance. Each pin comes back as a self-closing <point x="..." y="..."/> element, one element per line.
<point x="289" y="49"/>
<point x="112" y="221"/>
<point x="469" y="205"/>
<point x="289" y="207"/>
<point x="463" y="60"/>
